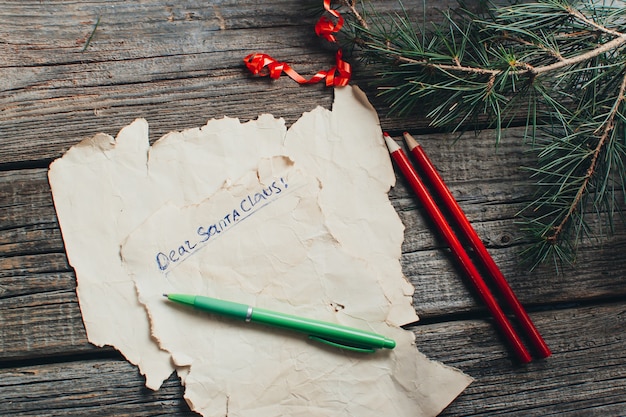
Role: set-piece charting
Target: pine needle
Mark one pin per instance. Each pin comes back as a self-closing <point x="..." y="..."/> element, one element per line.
<point x="563" y="61"/>
<point x="91" y="35"/>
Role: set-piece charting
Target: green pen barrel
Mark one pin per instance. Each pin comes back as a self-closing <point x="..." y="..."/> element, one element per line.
<point x="330" y="333"/>
<point x="323" y="330"/>
<point x="221" y="307"/>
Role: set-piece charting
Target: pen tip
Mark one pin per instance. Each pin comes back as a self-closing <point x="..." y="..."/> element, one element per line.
<point x="165" y="295"/>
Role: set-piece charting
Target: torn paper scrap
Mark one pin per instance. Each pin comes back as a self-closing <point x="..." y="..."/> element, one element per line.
<point x="106" y="188"/>
<point x="263" y="241"/>
<point x="344" y="148"/>
<point x="97" y="188"/>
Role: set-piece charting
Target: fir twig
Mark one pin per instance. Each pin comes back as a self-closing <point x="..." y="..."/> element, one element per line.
<point x="564" y="59"/>
<point x="609" y="125"/>
<point x="351" y="5"/>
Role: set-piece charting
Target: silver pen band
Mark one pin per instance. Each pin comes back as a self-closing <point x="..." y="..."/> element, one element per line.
<point x="249" y="314"/>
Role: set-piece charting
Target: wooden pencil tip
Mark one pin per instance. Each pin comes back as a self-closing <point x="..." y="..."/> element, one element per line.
<point x="165" y="295"/>
<point x="391" y="144"/>
<point x="411" y="143"/>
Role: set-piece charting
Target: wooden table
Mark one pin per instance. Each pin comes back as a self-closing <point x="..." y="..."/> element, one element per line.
<point x="179" y="65"/>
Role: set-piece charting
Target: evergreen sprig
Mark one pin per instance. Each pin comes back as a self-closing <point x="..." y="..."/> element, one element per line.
<point x="563" y="61"/>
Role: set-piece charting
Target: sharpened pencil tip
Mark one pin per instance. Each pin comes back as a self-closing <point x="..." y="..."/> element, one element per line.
<point x="410" y="141"/>
<point x="391" y="144"/>
<point x="165" y="295"/>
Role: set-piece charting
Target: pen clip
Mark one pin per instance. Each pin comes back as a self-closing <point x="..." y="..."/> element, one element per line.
<point x="360" y="349"/>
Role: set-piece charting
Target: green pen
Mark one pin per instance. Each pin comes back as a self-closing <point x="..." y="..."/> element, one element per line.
<point x="332" y="334"/>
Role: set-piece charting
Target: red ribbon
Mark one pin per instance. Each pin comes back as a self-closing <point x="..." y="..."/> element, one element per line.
<point x="338" y="76"/>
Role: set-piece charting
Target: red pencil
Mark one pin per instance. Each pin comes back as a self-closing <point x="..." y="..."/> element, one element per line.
<point x="401" y="160"/>
<point x="444" y="193"/>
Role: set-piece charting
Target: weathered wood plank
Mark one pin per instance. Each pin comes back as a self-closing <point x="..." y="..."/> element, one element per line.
<point x="175" y="65"/>
<point x="181" y="64"/>
<point x="34" y="272"/>
<point x="90" y="387"/>
<point x="40" y="317"/>
<point x="41" y="325"/>
<point x="585" y="376"/>
<point x="27" y="212"/>
<point x="473" y="170"/>
<point x="441" y="288"/>
<point x="43" y="33"/>
<point x="26" y="199"/>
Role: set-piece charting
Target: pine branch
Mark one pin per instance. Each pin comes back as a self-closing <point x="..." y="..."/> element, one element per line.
<point x="608" y="125"/>
<point x="521" y="68"/>
<point x="351" y="5"/>
<point x="518" y="68"/>
<point x="565" y="59"/>
<point x="607" y="47"/>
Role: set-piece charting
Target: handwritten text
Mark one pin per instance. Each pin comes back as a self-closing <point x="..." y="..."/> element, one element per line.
<point x="207" y="232"/>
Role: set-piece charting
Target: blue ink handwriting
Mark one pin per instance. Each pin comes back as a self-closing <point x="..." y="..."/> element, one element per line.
<point x="205" y="233"/>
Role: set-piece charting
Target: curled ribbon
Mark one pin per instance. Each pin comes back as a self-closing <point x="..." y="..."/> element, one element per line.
<point x="338" y="76"/>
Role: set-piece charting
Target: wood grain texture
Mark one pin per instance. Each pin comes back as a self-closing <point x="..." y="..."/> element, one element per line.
<point x="180" y="64"/>
<point x="588" y="344"/>
<point x="589" y="351"/>
<point x="177" y="65"/>
<point x="34" y="265"/>
<point x="40" y="317"/>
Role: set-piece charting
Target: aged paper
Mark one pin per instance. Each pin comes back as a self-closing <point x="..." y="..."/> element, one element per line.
<point x="212" y="248"/>
<point x="328" y="245"/>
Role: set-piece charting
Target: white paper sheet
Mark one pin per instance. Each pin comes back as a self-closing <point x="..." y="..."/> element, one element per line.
<point x="333" y="253"/>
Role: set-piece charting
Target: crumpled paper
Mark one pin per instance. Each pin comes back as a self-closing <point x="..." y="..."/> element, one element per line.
<point x="140" y="220"/>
